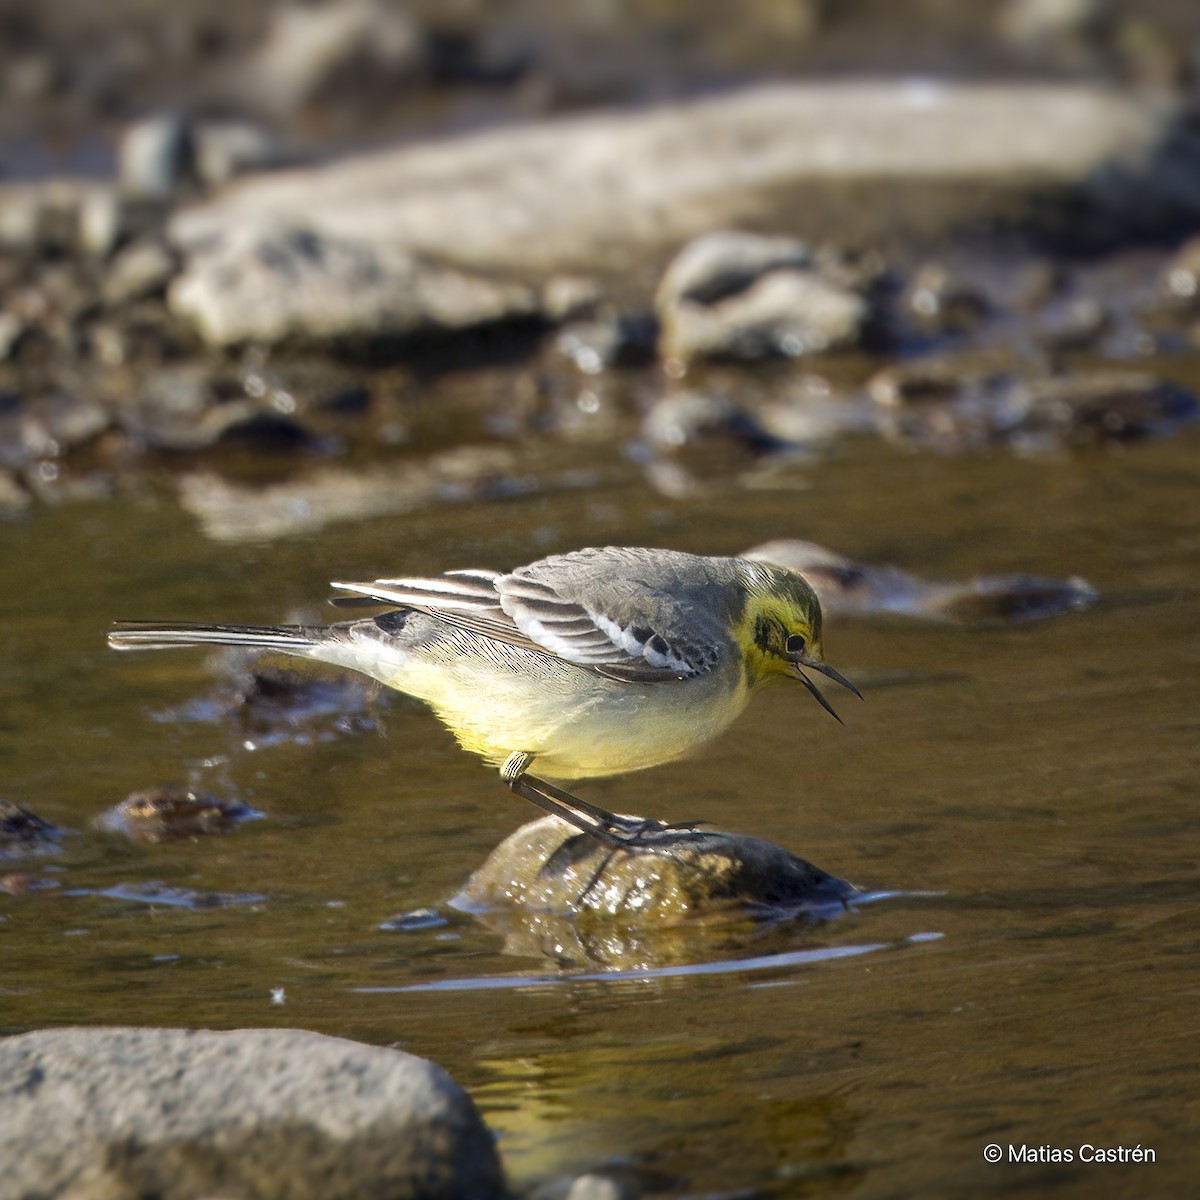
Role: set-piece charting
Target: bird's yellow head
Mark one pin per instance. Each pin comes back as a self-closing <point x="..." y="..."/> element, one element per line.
<point x="779" y="630"/>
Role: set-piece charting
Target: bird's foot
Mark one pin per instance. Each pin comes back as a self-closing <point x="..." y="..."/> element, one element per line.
<point x="644" y="833"/>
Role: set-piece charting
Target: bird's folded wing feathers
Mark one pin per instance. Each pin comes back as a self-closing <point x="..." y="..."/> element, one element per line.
<point x="647" y="640"/>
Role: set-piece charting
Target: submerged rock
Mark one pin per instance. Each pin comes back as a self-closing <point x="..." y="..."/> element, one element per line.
<point x="960" y="405"/>
<point x="124" y="1113"/>
<point x="23" y="834"/>
<point x="171" y="814"/>
<point x="549" y="867"/>
<point x="847" y="588"/>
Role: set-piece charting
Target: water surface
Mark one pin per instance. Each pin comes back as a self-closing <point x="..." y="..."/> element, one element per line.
<point x="1028" y="794"/>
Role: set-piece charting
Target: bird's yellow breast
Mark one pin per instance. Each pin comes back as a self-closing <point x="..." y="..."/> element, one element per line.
<point x="499" y="699"/>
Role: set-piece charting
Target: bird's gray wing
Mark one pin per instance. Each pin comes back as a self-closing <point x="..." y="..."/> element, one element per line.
<point x="467" y="599"/>
<point x="629" y="613"/>
<point x="597" y="609"/>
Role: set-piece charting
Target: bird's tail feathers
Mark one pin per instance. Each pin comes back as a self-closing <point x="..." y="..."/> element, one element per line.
<point x="150" y="635"/>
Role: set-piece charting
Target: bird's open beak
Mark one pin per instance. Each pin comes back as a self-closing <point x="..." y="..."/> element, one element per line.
<point x="827" y="670"/>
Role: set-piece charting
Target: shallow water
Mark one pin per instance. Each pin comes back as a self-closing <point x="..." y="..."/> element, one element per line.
<point x="1027" y="797"/>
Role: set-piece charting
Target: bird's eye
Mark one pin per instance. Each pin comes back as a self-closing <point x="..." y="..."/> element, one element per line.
<point x="796" y="644"/>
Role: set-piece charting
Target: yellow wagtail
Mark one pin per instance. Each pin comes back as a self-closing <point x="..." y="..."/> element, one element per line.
<point x="590" y="663"/>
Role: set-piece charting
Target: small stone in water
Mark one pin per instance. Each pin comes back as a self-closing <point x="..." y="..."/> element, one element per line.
<point x="168" y="814"/>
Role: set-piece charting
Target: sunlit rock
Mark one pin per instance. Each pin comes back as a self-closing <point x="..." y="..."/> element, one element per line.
<point x="549" y="867"/>
<point x="296" y="284"/>
<point x="122" y="1113"/>
<point x="741" y="296"/>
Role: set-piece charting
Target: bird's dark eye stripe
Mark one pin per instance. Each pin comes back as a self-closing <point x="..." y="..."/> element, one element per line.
<point x="762" y="633"/>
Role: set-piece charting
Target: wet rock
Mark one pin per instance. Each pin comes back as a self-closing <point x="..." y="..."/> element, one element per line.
<point x="684" y="418"/>
<point x="845" y="160"/>
<point x="188" y="407"/>
<point x="311" y="53"/>
<point x="172" y="814"/>
<point x="140" y="270"/>
<point x="11" y="329"/>
<point x="226" y="149"/>
<point x="717" y="265"/>
<point x="847" y="588"/>
<point x="1076" y="323"/>
<point x="973" y="403"/>
<point x="60" y="216"/>
<point x="24" y="834"/>
<point x="1181" y="276"/>
<point x="233" y="513"/>
<point x="739" y="296"/>
<point x="125" y="1113"/>
<point x="923" y="382"/>
<point x="609" y="341"/>
<point x="938" y="301"/>
<point x="155" y="156"/>
<point x="102" y="220"/>
<point x="550" y="867"/>
<point x="1100" y="406"/>
<point x="570" y="298"/>
<point x="1070" y="32"/>
<point x="14" y="499"/>
<point x="301" y="286"/>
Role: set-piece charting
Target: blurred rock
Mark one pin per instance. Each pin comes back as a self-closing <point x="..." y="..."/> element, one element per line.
<point x="937" y="301"/>
<point x="919" y="382"/>
<point x="718" y="265"/>
<point x="548" y="866"/>
<point x="101" y="220"/>
<point x="47" y="426"/>
<point x="1076" y="323"/>
<point x="1181" y="275"/>
<point x="120" y="1113"/>
<point x="1101" y="405"/>
<point x="302" y="287"/>
<point x="1073" y="32"/>
<point x="683" y="418"/>
<point x="847" y="588"/>
<point x="195" y="404"/>
<point x="607" y="341"/>
<point x="739" y="296"/>
<point x="23" y="834"/>
<point x="156" y="156"/>
<point x="172" y="814"/>
<point x="312" y="52"/>
<point x="831" y="160"/>
<point x="142" y="269"/>
<point x="226" y="149"/>
<point x="14" y="499"/>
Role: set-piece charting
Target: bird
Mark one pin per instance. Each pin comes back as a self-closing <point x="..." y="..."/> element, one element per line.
<point x="588" y="663"/>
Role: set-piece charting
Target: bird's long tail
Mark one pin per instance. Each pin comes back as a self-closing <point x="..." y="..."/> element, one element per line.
<point x="149" y="635"/>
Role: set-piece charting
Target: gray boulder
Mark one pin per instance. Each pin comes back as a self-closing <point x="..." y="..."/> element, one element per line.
<point x="301" y="285"/>
<point x="838" y="160"/>
<point x="118" y="1113"/>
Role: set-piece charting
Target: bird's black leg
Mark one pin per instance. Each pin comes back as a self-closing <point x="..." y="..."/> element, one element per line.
<point x="620" y="833"/>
